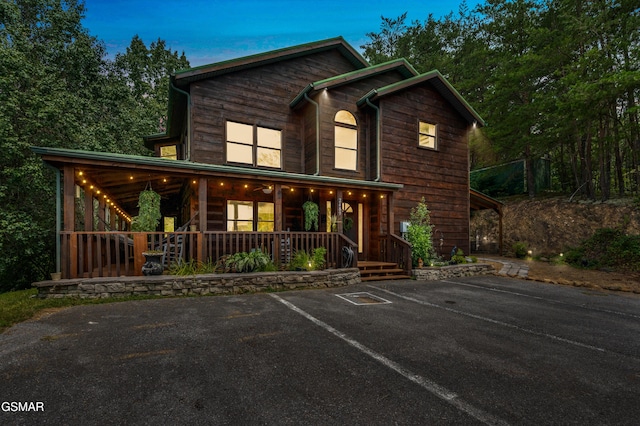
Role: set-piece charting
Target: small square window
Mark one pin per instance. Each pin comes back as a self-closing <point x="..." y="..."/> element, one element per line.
<point x="427" y="135"/>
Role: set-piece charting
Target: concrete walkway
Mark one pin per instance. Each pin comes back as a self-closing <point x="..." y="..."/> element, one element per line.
<point x="510" y="268"/>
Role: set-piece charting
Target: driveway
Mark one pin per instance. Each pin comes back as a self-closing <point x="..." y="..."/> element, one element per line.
<point x="480" y="350"/>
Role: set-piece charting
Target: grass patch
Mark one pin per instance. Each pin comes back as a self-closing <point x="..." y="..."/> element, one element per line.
<point x="19" y="306"/>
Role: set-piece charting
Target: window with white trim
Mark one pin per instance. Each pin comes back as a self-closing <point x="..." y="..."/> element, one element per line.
<point x="346" y="141"/>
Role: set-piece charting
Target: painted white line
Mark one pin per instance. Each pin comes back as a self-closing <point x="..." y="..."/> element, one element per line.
<point x="429" y="385"/>
<point x="356" y="299"/>
<point x="515" y="293"/>
<point x="493" y="321"/>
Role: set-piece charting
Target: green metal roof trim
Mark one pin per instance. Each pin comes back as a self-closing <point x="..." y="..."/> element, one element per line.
<point x="441" y="85"/>
<point x="185" y="166"/>
<point x="400" y="65"/>
<point x="184" y="77"/>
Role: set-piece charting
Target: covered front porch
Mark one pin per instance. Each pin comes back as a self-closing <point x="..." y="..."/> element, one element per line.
<point x="209" y="211"/>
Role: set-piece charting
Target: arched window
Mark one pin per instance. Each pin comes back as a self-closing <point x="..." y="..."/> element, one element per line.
<point x="346" y="141"/>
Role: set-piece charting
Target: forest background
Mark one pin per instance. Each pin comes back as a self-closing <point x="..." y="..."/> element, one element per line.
<point x="552" y="78"/>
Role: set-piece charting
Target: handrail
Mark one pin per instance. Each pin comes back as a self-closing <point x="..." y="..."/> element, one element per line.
<point x="396" y="250"/>
<point x="118" y="253"/>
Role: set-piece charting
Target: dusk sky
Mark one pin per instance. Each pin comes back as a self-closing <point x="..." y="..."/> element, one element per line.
<point x="215" y="30"/>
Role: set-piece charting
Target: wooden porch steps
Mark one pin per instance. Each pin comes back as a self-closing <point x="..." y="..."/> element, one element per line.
<point x="377" y="271"/>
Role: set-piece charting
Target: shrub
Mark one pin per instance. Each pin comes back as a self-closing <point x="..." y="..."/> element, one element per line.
<point x="607" y="248"/>
<point x="302" y="261"/>
<point x="520" y="250"/>
<point x="419" y="234"/>
<point x="192" y="267"/>
<point x="243" y="262"/>
<point x="458" y="258"/>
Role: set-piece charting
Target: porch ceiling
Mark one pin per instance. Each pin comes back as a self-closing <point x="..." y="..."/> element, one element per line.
<point x="122" y="177"/>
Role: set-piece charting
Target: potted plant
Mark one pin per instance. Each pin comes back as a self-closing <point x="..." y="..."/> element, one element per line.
<point x="311" y="213"/>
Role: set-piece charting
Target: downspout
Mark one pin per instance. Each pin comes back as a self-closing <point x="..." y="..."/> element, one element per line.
<point x="317" y="173"/>
<point x="188" y="144"/>
<point x="377" y="138"/>
<point x="58" y="214"/>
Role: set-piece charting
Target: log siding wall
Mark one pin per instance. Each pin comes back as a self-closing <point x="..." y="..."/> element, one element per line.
<point x="441" y="176"/>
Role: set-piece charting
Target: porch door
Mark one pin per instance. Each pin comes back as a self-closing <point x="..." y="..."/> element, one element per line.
<point x="353" y="224"/>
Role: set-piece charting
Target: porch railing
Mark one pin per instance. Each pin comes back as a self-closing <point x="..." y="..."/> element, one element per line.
<point x="396" y="250"/>
<point x="112" y="254"/>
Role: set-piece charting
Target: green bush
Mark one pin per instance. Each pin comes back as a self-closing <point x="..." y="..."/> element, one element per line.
<point x="607" y="248"/>
<point x="243" y="262"/>
<point x="192" y="267"/>
<point x="419" y="234"/>
<point x="520" y="250"/>
<point x="459" y="257"/>
<point x="302" y="261"/>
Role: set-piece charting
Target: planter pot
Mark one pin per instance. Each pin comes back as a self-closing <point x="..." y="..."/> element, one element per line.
<point x="152" y="264"/>
<point x="55" y="276"/>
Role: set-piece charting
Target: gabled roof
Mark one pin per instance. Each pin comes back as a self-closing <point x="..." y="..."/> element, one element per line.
<point x="399" y="65"/>
<point x="439" y="83"/>
<point x="184" y="77"/>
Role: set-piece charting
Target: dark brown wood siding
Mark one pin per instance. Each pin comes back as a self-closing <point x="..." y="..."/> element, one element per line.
<point x="345" y="98"/>
<point x="441" y="176"/>
<point x="258" y="96"/>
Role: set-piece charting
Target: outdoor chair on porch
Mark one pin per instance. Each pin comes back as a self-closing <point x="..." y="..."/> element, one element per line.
<point x="173" y="245"/>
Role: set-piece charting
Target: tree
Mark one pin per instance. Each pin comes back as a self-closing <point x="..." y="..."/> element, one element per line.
<point x="419" y="233"/>
<point x="58" y="90"/>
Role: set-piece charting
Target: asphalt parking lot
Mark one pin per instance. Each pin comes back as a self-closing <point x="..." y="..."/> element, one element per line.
<point x="480" y="350"/>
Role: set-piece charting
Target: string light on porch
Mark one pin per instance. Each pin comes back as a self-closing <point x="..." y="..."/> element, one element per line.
<point x="89" y="187"/>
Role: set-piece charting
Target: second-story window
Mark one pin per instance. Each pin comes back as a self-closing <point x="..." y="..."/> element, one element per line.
<point x="254" y="145"/>
<point x="346" y="141"/>
<point x="427" y="135"/>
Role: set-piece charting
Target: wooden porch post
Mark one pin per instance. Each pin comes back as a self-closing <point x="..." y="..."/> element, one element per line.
<point x="339" y="210"/>
<point x="88" y="210"/>
<point x="277" y="220"/>
<point x="277" y="201"/>
<point x="390" y="215"/>
<point x="203" y="184"/>
<point x="70" y="242"/>
<point x="101" y="216"/>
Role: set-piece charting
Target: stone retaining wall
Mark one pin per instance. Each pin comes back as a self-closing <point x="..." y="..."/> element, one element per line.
<point x="173" y="285"/>
<point x="452" y="271"/>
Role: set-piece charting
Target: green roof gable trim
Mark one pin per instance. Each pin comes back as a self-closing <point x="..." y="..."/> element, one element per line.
<point x="440" y="84"/>
<point x="183" y="77"/>
<point x="399" y="65"/>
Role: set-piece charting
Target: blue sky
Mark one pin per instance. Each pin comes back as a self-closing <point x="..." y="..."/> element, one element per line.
<point x="214" y="30"/>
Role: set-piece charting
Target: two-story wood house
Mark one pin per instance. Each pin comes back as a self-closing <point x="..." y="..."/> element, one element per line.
<point x="250" y="140"/>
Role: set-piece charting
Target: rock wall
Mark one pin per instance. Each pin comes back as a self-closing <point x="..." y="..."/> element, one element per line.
<point x="172" y="285"/>
<point x="452" y="271"/>
<point x="548" y="227"/>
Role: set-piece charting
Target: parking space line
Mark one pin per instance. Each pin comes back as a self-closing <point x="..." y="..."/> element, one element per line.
<point x="515" y="293"/>
<point x="494" y="321"/>
<point x="439" y="391"/>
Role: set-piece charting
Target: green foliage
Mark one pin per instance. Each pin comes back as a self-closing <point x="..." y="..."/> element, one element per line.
<point x="192" y="267"/>
<point x="459" y="257"/>
<point x="520" y="250"/>
<point x="543" y="78"/>
<point x="419" y="234"/>
<point x="149" y="214"/>
<point x="57" y="89"/>
<point x="607" y="248"/>
<point x="311" y="214"/>
<point x="302" y="261"/>
<point x="243" y="262"/>
<point x="318" y="258"/>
